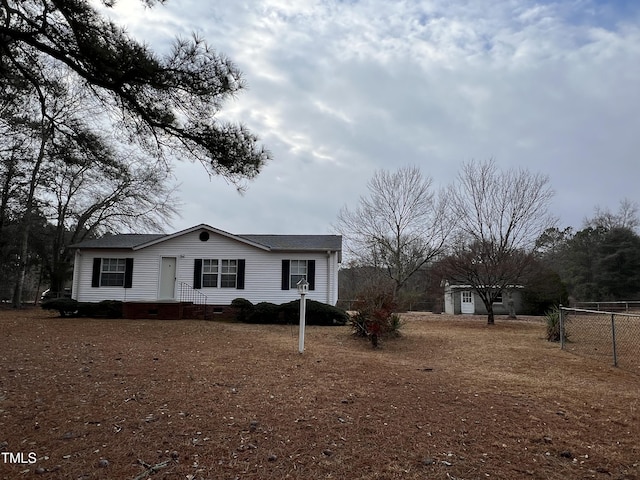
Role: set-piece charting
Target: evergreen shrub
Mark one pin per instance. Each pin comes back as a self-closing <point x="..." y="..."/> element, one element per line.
<point x="317" y="313"/>
<point x="68" y="307"/>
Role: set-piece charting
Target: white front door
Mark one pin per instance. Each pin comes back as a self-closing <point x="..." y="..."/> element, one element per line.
<point x="167" y="279"/>
<point x="466" y="304"/>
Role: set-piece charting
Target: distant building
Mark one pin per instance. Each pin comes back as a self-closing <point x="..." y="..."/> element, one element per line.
<point x="462" y="299"/>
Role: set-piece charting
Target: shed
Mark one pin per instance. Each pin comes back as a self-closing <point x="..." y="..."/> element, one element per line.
<point x="463" y="299"/>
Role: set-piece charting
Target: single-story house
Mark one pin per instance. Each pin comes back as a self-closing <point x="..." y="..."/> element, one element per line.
<point x="206" y="265"/>
<point x="462" y="299"/>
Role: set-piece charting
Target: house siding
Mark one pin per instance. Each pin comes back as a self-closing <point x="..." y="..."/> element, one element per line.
<point x="453" y="302"/>
<point x="262" y="281"/>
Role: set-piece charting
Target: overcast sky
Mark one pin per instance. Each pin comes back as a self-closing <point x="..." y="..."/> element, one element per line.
<point x="338" y="89"/>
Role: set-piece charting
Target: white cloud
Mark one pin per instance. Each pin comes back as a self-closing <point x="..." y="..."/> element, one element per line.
<point x="337" y="89"/>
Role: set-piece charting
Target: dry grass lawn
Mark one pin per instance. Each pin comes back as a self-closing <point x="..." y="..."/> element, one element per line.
<point x="451" y="399"/>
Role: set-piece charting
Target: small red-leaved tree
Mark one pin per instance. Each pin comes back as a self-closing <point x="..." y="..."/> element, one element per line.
<point x="375" y="316"/>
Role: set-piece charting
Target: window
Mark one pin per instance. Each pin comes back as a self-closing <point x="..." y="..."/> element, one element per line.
<point x="298" y="271"/>
<point x="209" y="273"/>
<point x="228" y="273"/>
<point x="112" y="272"/>
<point x="498" y="298"/>
<point x="466" y="297"/>
<point x="295" y="270"/>
<point x="214" y="273"/>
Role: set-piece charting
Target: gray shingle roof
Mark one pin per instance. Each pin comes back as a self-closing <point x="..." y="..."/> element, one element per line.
<point x="272" y="242"/>
<point x="297" y="242"/>
<point x="123" y="240"/>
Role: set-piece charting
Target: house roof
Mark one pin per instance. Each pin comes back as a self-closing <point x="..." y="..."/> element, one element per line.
<point x="298" y="242"/>
<point x="136" y="241"/>
<point x="123" y="240"/>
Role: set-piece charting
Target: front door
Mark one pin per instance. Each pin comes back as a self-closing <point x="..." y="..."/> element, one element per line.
<point x="167" y="278"/>
<point x="467" y="305"/>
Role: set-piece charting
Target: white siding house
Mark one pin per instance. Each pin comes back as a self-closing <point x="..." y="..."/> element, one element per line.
<point x="210" y="263"/>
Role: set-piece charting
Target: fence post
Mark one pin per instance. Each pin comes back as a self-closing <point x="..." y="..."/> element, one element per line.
<point x="613" y="335"/>
<point x="561" y="319"/>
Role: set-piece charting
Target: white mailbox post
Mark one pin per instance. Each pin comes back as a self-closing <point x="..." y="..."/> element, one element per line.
<point x="303" y="289"/>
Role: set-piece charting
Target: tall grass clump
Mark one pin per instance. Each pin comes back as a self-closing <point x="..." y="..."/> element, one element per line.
<point x="552" y="319"/>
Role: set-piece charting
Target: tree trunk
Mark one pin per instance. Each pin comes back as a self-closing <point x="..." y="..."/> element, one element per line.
<point x="490" y="314"/>
<point x="512" y="307"/>
<point x="6" y="190"/>
<point x="28" y="213"/>
<point x="22" y="273"/>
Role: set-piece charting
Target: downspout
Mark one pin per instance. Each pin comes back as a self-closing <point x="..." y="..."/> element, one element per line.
<point x="75" y="283"/>
<point x="329" y="279"/>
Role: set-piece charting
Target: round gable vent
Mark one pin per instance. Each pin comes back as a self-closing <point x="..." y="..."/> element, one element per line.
<point x="204" y="236"/>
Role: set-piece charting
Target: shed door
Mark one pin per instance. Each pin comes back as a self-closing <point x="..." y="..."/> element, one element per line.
<point x="467" y="305"/>
<point x="167" y="278"/>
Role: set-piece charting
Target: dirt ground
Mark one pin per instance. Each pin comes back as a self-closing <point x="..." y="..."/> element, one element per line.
<point x="452" y="398"/>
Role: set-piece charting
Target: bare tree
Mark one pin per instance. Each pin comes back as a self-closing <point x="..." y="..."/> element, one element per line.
<point x="40" y="126"/>
<point x="399" y="227"/>
<point x="500" y="216"/>
<point x="70" y="171"/>
<point x="626" y="217"/>
<point x="12" y="197"/>
<point x="91" y="198"/>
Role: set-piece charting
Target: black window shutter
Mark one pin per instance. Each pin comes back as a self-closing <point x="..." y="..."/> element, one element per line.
<point x="128" y="273"/>
<point x="311" y="274"/>
<point x="240" y="279"/>
<point x="95" y="275"/>
<point x="286" y="264"/>
<point x="197" y="273"/>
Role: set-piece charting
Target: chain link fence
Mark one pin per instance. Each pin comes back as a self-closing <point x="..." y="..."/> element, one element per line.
<point x="628" y="306"/>
<point x="610" y="336"/>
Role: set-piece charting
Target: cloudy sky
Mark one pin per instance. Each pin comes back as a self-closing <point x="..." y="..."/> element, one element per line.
<point x="338" y="89"/>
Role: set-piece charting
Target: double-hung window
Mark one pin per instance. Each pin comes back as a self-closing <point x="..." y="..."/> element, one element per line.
<point x="295" y="270"/>
<point x="112" y="272"/>
<point x="228" y="273"/>
<point x="218" y="273"/>
<point x="209" y="273"/>
<point x="298" y="271"/>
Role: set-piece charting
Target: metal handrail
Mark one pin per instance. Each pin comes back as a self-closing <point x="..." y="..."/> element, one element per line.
<point x="190" y="294"/>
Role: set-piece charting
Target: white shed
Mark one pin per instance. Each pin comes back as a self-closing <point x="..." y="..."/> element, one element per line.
<point x="463" y="299"/>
